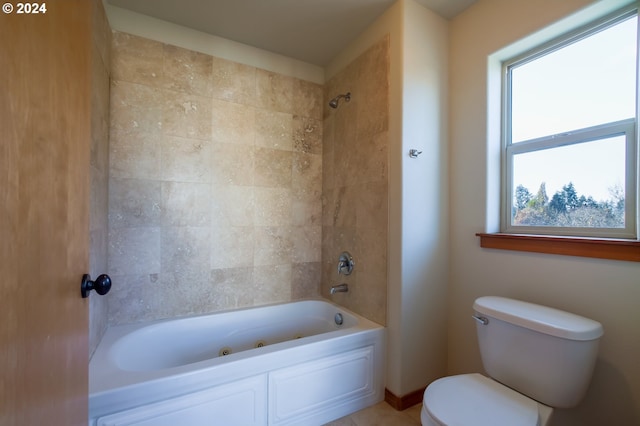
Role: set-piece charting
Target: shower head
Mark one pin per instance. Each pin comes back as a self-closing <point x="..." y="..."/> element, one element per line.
<point x="333" y="103"/>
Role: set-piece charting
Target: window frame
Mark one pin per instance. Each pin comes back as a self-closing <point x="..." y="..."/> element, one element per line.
<point x="627" y="127"/>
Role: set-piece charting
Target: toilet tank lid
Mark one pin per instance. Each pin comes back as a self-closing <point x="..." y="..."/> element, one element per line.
<point x="539" y="318"/>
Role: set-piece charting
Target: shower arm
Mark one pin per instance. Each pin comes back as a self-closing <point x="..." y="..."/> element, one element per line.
<point x="333" y="103"/>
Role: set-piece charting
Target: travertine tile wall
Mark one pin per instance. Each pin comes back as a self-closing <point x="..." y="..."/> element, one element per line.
<point x="215" y="181"/>
<point x="355" y="182"/>
<point x="101" y="44"/>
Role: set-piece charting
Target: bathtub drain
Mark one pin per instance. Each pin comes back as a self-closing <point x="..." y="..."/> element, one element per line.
<point x="260" y="343"/>
<point x="225" y="351"/>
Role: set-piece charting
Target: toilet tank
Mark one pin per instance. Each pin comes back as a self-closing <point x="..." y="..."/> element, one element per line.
<point x="541" y="352"/>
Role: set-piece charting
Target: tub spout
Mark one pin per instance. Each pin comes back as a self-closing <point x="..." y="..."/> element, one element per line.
<point x="341" y="288"/>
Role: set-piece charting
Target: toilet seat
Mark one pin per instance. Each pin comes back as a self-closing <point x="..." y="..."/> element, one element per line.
<point x="473" y="399"/>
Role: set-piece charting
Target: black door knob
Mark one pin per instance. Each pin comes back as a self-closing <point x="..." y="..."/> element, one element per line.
<point x="101" y="285"/>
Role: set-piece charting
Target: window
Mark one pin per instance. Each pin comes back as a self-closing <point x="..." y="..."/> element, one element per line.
<point x="569" y="134"/>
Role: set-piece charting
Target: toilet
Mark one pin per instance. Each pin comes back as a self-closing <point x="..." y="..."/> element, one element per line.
<point x="537" y="359"/>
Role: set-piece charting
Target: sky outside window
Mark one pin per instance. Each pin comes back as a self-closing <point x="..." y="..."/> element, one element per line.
<point x="587" y="83"/>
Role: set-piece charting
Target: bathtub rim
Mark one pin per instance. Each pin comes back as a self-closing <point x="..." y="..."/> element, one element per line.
<point x="222" y="333"/>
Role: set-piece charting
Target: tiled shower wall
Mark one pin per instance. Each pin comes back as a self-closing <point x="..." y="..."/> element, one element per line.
<point x="99" y="171"/>
<point x="215" y="180"/>
<point x="355" y="182"/>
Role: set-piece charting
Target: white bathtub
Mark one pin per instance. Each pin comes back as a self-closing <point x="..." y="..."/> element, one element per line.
<point x="306" y="370"/>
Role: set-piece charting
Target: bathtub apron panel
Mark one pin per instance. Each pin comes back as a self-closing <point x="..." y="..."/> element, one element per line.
<point x="333" y="386"/>
<point x="238" y="403"/>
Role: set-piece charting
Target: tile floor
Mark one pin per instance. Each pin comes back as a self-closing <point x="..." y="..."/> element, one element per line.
<point x="381" y="414"/>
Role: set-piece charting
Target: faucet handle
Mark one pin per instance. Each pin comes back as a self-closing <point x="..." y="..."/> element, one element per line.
<point x="345" y="263"/>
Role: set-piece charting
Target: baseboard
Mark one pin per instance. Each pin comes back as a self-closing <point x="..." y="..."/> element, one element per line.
<point x="403" y="402"/>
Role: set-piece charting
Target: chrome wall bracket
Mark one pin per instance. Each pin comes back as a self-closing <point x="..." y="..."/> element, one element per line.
<point x="413" y="153"/>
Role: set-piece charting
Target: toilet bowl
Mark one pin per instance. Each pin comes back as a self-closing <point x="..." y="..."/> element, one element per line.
<point x="536" y="357"/>
<point x="474" y="399"/>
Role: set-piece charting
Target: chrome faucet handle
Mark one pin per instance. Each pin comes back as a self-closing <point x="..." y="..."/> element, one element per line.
<point x="345" y="263"/>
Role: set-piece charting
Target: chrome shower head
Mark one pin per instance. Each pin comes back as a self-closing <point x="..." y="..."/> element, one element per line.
<point x="333" y="103"/>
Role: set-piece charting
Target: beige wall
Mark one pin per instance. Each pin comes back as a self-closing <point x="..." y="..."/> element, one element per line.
<point x="417" y="245"/>
<point x="419" y="293"/>
<point x="607" y="291"/>
<point x="100" y="60"/>
<point x="215" y="183"/>
<point x="355" y="175"/>
<point x="371" y="299"/>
